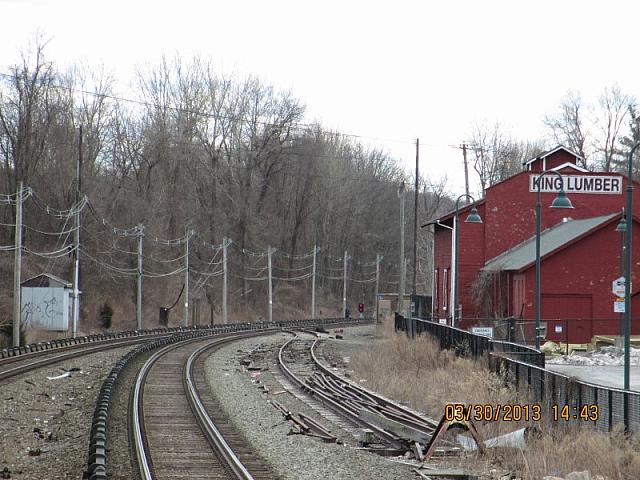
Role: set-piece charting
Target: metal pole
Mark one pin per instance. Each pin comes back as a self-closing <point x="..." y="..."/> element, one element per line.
<point x="17" y="307"/>
<point x="313" y="284"/>
<point x="538" y="301"/>
<point x="344" y="286"/>
<point x="627" y="280"/>
<point x="455" y="312"/>
<point x="186" y="280"/>
<point x="76" y="270"/>
<point x="139" y="299"/>
<point x="538" y="297"/>
<point x="415" y="221"/>
<point x="270" y="286"/>
<point x="401" y="280"/>
<point x="466" y="169"/>
<point x="224" y="281"/>
<point x="377" y="284"/>
<point x="454" y="307"/>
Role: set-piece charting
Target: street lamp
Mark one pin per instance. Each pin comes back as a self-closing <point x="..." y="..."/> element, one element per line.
<point x="473" y="217"/>
<point x="401" y="279"/>
<point x="622" y="228"/>
<point x="627" y="280"/>
<point x="561" y="201"/>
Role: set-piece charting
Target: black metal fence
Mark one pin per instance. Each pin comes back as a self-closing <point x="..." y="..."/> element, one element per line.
<point x="523" y="367"/>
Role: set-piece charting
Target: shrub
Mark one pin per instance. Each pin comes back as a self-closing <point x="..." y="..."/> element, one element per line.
<point x="106" y="315"/>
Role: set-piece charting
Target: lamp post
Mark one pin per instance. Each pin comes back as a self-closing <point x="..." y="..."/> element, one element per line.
<point x="627" y="280"/>
<point x="473" y="217"/>
<point x="561" y="201"/>
<point x="622" y="228"/>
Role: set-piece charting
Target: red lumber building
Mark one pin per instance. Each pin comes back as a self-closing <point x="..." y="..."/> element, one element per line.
<point x="581" y="253"/>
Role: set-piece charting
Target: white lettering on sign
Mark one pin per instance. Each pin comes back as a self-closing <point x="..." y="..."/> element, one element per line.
<point x="576" y="184"/>
<point x="484" y="331"/>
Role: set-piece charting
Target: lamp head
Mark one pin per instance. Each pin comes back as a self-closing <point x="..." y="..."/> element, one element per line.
<point x="473" y="217"/>
<point x="622" y="226"/>
<point x="401" y="189"/>
<point x="561" y="201"/>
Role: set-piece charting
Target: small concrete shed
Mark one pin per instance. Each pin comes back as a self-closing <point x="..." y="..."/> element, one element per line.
<point x="46" y="302"/>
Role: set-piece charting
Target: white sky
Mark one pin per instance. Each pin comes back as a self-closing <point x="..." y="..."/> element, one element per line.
<point x="388" y="71"/>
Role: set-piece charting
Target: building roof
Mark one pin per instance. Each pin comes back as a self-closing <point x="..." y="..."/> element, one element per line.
<point x="551" y="152"/>
<point x="46" y="280"/>
<point x="524" y="254"/>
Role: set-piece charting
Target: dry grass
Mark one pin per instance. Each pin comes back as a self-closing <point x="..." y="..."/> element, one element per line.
<point x="417" y="373"/>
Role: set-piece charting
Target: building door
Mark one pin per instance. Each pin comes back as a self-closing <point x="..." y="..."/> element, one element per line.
<point x="517" y="307"/>
<point x="568" y="317"/>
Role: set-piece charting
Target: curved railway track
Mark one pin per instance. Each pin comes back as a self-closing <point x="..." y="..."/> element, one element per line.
<point x="16" y="365"/>
<point x="177" y="432"/>
<point x="394" y="425"/>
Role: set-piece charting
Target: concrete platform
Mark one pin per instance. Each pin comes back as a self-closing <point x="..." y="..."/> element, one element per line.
<point x="606" y="375"/>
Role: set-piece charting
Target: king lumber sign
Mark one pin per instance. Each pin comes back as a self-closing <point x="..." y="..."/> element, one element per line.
<point x="577" y="184"/>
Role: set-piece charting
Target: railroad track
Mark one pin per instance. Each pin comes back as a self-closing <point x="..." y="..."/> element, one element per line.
<point x="395" y="426"/>
<point x="179" y="433"/>
<point x="30" y="360"/>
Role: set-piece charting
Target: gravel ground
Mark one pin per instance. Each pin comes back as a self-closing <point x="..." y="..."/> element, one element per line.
<point x="44" y="424"/>
<point x="292" y="457"/>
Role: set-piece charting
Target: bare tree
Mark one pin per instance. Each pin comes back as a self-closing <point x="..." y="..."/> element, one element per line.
<point x="496" y="156"/>
<point x="569" y="126"/>
<point x="613" y="111"/>
<point x="25" y="116"/>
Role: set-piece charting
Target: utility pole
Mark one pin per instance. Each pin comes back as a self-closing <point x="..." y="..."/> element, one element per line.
<point x="415" y="221"/>
<point x="466" y="170"/>
<point x="224" y="281"/>
<point x="76" y="269"/>
<point x="344" y="286"/>
<point x="270" y="286"/>
<point x="401" y="262"/>
<point x="17" y="306"/>
<point x="377" y="283"/>
<point x="139" y="299"/>
<point x="186" y="280"/>
<point x="313" y="284"/>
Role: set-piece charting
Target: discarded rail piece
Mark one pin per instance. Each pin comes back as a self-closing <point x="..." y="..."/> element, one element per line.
<point x="399" y="429"/>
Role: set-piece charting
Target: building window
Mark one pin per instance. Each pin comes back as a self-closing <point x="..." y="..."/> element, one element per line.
<point x="436" y="285"/>
<point x="445" y="289"/>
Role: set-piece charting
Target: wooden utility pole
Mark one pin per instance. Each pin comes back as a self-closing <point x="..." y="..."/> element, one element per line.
<point x="270" y="285"/>
<point x="313" y="284"/>
<point x="466" y="170"/>
<point x="415" y="220"/>
<point x="401" y="280"/>
<point x="17" y="306"/>
<point x="344" y="286"/>
<point x="378" y="258"/>
<point x="76" y="269"/>
<point x="186" y="280"/>
<point x="225" y="319"/>
<point x="139" y="296"/>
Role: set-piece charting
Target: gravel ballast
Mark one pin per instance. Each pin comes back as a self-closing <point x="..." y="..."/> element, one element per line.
<point x="292" y="456"/>
<point x="45" y="423"/>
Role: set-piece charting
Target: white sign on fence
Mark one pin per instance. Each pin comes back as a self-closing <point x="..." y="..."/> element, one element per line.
<point x="484" y="331"/>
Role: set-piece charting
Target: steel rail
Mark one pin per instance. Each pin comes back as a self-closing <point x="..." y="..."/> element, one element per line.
<point x="401" y="414"/>
<point x="334" y="405"/>
<point x="212" y="433"/>
<point x="28" y="363"/>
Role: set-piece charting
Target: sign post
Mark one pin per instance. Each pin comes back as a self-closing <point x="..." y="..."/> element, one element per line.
<point x="618" y="289"/>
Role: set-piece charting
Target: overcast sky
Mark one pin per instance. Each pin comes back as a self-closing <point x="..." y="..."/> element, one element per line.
<point x="387" y="71"/>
